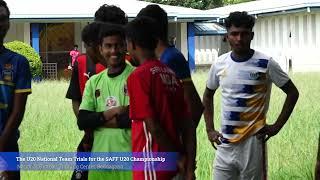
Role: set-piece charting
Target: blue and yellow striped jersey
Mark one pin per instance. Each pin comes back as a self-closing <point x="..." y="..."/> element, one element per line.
<point x="245" y="89"/>
<point x="15" y="77"/>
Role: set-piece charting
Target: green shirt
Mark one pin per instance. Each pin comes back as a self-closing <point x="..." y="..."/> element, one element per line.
<point x="102" y="93"/>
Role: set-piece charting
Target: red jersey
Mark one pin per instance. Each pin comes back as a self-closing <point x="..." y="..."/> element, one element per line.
<point x="84" y="70"/>
<point x="156" y="93"/>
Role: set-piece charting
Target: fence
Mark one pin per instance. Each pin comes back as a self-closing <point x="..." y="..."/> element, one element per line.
<point x="50" y="70"/>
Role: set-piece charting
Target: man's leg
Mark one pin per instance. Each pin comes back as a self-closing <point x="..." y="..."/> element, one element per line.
<point x="253" y="161"/>
<point x="224" y="163"/>
<point x="84" y="146"/>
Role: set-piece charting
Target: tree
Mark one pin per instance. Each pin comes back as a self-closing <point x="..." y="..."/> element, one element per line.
<point x="228" y="2"/>
<point x="28" y="52"/>
<point x="203" y="4"/>
<point x="198" y="4"/>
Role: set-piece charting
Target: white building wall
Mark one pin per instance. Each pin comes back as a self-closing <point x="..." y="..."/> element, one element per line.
<point x="208" y="48"/>
<point x="18" y="31"/>
<point x="272" y="36"/>
<point x="183" y="40"/>
<point x="26" y="36"/>
<point x="78" y="27"/>
<point x="317" y="30"/>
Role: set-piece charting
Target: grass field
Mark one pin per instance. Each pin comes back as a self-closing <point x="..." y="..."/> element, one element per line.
<point x="49" y="126"/>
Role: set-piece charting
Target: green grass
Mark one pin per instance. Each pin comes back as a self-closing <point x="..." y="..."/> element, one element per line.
<point x="49" y="126"/>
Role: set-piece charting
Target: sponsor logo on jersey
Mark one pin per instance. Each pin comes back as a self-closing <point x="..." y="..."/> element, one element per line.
<point x="7" y="72"/>
<point x="254" y="75"/>
<point x="111" y="101"/>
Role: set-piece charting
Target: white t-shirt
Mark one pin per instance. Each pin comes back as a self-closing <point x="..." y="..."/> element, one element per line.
<point x="246" y="88"/>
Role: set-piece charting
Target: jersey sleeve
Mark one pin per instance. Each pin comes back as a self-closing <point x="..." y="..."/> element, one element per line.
<point x="23" y="82"/>
<point x="74" y="86"/>
<point x="213" y="79"/>
<point x="276" y="74"/>
<point x="139" y="94"/>
<point x="88" y="99"/>
<point x="179" y="65"/>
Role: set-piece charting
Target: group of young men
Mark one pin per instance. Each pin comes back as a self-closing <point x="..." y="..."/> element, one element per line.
<point x="154" y="107"/>
<point x="164" y="104"/>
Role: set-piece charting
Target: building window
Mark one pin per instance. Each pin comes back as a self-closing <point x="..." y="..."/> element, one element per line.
<point x="56" y="40"/>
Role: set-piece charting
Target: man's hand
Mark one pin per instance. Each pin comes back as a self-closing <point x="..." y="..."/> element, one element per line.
<point x="214" y="137"/>
<point x="111" y="113"/>
<point x="122" y="109"/>
<point x="267" y="131"/>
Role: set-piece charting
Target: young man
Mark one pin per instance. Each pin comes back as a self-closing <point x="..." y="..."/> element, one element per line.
<point x="85" y="68"/>
<point x="88" y="64"/>
<point x="112" y="14"/>
<point x="174" y="59"/>
<point x="160" y="120"/>
<point x="105" y="100"/>
<point x="15" y="82"/>
<point x="245" y="77"/>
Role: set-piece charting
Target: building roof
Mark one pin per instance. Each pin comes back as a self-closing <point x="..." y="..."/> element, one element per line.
<point x="203" y="29"/>
<point x="267" y="7"/>
<point x="64" y="10"/>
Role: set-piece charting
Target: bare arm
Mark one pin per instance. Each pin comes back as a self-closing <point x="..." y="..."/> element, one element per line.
<point x="292" y="96"/>
<point x="208" y="108"/>
<point x="15" y="118"/>
<point x="75" y="107"/>
<point x="160" y="135"/>
<point x="213" y="135"/>
<point x="190" y="145"/>
<point x="193" y="101"/>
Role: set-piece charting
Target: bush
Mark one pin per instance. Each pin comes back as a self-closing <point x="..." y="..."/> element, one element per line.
<point x="27" y="51"/>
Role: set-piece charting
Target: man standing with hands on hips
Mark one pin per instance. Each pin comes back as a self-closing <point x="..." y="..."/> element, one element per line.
<point x="245" y="77"/>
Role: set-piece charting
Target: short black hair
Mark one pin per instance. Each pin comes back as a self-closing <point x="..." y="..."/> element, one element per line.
<point x="111" y="14"/>
<point x="239" y="19"/>
<point x="76" y="45"/>
<point x="160" y="16"/>
<point x="90" y="34"/>
<point x="4" y="4"/>
<point x="143" y="32"/>
<point x="108" y="29"/>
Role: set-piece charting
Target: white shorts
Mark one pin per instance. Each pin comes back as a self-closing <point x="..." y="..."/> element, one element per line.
<point x="244" y="161"/>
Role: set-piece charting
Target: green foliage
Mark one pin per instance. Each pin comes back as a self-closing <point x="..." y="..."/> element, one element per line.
<point x="228" y="2"/>
<point x="203" y="4"/>
<point x="27" y="51"/>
